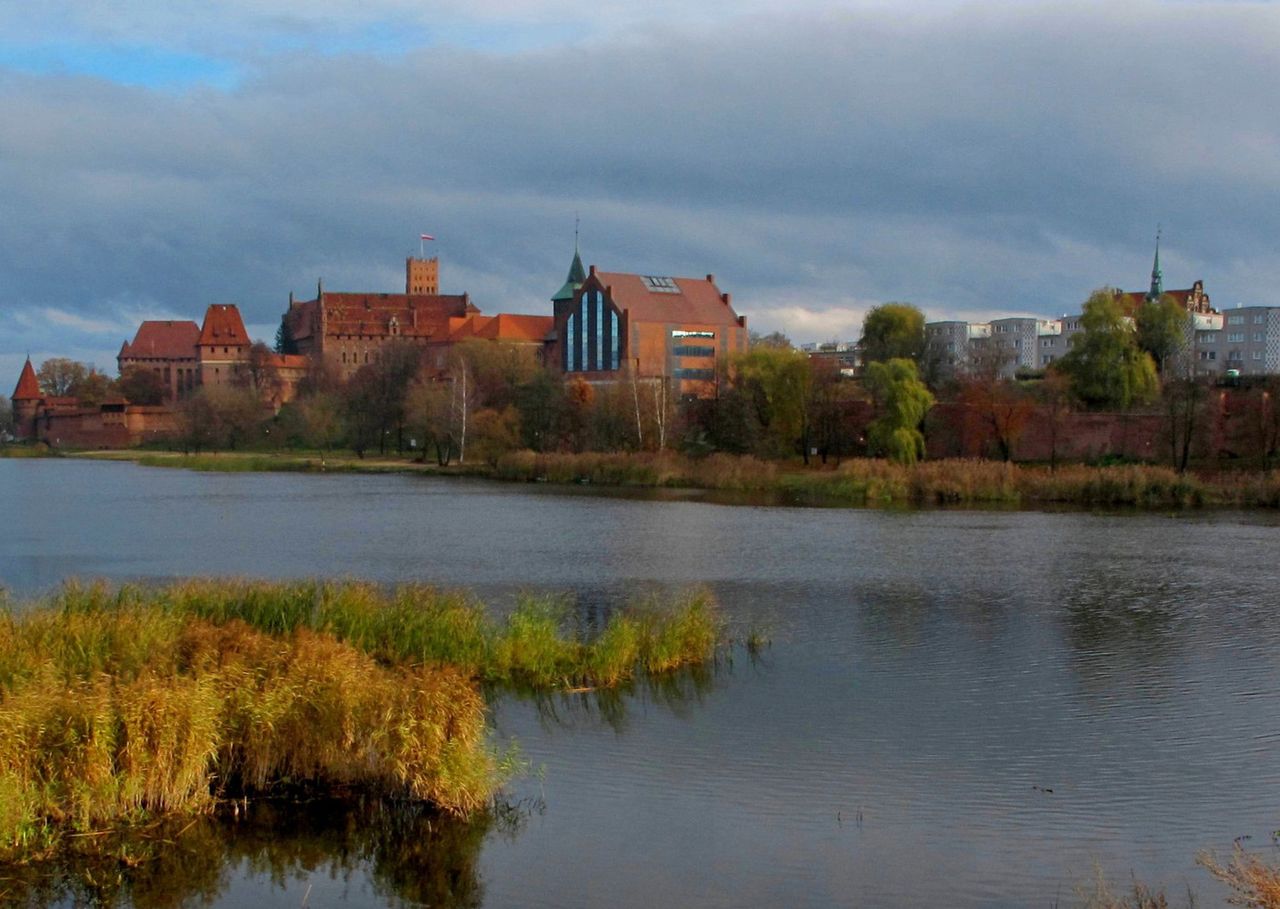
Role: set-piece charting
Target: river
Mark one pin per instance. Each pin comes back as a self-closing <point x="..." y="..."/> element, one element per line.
<point x="959" y="708"/>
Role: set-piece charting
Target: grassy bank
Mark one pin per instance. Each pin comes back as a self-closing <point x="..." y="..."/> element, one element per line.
<point x="861" y="482"/>
<point x="118" y="705"/>
<point x="872" y="482"/>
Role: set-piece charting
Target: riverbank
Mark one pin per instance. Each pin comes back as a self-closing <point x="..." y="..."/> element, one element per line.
<point x="861" y="482"/>
<point x="125" y="705"/>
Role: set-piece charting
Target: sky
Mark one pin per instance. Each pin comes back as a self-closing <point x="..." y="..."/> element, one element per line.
<point x="974" y="158"/>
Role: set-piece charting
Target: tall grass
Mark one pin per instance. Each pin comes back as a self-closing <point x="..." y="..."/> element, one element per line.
<point x="125" y="703"/>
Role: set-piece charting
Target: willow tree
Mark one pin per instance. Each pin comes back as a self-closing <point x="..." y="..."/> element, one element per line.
<point x="1107" y="367"/>
<point x="892" y="331"/>
<point x="902" y="401"/>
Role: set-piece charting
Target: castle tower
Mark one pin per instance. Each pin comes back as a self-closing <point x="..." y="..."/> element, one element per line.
<point x="422" y="276"/>
<point x="26" y="402"/>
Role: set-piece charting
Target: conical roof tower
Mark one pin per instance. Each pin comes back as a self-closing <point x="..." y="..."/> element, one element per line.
<point x="28" y="386"/>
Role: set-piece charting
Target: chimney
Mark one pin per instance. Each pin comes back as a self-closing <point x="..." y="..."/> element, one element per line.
<point x="711" y="279"/>
<point x="593" y="271"/>
<point x="724" y="298"/>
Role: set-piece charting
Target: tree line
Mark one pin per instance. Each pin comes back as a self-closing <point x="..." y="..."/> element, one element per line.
<point x="772" y="402"/>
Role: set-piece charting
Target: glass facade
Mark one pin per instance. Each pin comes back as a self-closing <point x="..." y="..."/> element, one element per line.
<point x="591" y="336"/>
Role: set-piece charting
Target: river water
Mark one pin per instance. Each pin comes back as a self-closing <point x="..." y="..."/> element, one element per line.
<point x="958" y="708"/>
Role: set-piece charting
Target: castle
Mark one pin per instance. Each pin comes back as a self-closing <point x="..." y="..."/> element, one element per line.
<point x="604" y="326"/>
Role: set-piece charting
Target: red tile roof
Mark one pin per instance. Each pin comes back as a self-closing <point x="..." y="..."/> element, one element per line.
<point x="163" y="340"/>
<point x="28" y="387"/>
<point x="694" y="300"/>
<point x="223" y="325"/>
<point x="1136" y="298"/>
<point x="416" y="315"/>
<point x="502" y="327"/>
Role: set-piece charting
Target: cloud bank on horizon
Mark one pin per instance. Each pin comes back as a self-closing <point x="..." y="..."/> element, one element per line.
<point x="818" y="157"/>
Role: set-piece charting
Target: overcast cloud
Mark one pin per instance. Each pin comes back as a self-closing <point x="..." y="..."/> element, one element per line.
<point x="973" y="159"/>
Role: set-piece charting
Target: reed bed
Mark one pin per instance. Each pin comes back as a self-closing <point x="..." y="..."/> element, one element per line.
<point x="874" y="482"/>
<point x="120" y="704"/>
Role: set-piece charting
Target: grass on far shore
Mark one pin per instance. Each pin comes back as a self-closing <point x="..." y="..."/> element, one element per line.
<point x="119" y="705"/>
<point x="859" y="482"/>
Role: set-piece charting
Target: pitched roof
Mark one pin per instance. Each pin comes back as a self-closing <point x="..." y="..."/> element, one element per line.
<point x="28" y="386"/>
<point x="163" y="340"/>
<point x="416" y="315"/>
<point x="223" y="325"/>
<point x="680" y="299"/>
<point x="502" y="327"/>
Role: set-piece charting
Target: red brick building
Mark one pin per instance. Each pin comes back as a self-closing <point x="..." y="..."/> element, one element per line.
<point x="168" y="348"/>
<point x="655" y="327"/>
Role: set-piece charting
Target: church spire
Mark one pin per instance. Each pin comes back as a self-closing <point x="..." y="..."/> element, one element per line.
<point x="1157" y="277"/>
<point x="577" y="274"/>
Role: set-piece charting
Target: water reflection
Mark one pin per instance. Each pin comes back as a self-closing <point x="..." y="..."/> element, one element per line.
<point x="678" y="692"/>
<point x="409" y="853"/>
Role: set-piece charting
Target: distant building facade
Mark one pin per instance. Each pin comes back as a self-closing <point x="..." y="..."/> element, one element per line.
<point x="1244" y="341"/>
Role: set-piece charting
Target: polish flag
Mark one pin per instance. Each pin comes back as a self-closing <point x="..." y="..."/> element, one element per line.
<point x="427" y="237"/>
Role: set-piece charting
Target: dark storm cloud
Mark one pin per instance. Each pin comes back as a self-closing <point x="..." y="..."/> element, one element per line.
<point x="980" y="160"/>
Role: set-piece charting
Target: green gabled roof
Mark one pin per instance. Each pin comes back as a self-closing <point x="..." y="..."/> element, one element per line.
<point x="577" y="274"/>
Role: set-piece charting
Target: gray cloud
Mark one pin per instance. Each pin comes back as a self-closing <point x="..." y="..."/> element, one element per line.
<point x="986" y="158"/>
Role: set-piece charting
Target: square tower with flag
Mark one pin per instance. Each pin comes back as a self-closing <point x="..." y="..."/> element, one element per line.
<point x="422" y="276"/>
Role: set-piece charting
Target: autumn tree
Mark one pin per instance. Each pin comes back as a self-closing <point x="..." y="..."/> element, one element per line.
<point x="1184" y="400"/>
<point x="93" y="388"/>
<point x="321" y="421"/>
<point x="498" y="368"/>
<point x="1162" y="329"/>
<point x="774" y="339"/>
<point x="777" y="383"/>
<point x="543" y="405"/>
<point x="140" y="385"/>
<point x="375" y="397"/>
<point x="431" y="417"/>
<point x="1003" y="407"/>
<point x="902" y="401"/>
<point x="892" y="331"/>
<point x="830" y="397"/>
<point x="1054" y="395"/>
<point x="58" y="376"/>
<point x="259" y="373"/>
<point x="217" y="417"/>
<point x="1105" y="363"/>
<point x="494" y="433"/>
